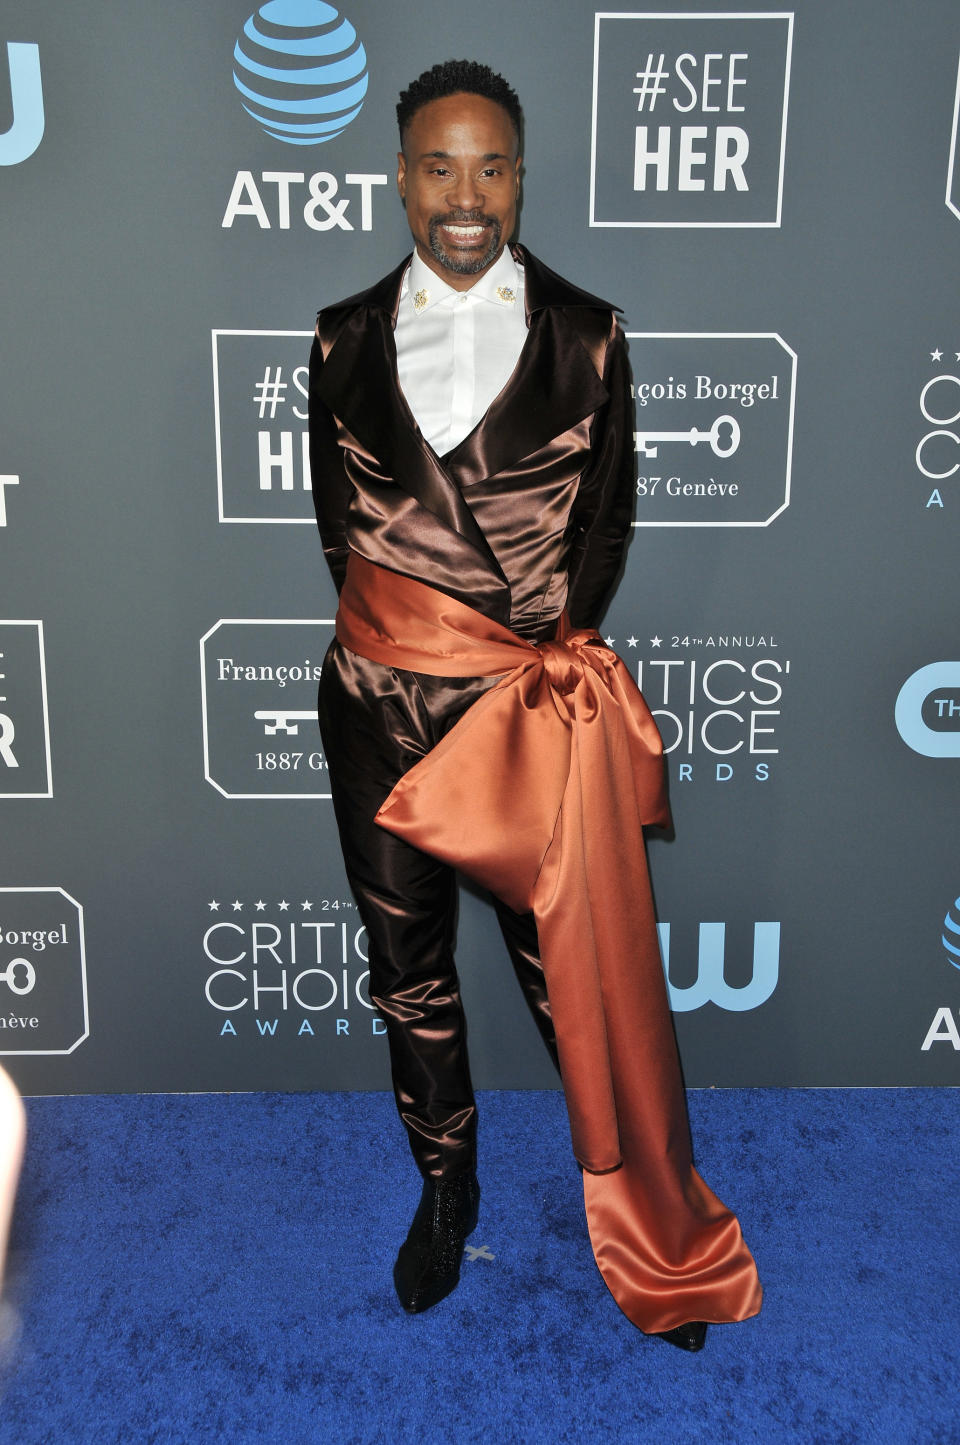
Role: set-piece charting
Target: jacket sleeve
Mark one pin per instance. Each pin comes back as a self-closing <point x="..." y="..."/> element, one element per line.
<point x="603" y="510"/>
<point x="331" y="485"/>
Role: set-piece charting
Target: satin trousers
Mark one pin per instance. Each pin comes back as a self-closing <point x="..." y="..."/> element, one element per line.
<point x="377" y="722"/>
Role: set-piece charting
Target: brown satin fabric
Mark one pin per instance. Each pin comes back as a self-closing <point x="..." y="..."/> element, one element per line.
<point x="540" y="793"/>
<point x="536" y="502"/>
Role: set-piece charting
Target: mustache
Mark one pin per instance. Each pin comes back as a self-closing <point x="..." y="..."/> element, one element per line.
<point x="464" y="218"/>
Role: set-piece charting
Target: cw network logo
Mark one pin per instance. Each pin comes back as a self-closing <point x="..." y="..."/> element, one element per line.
<point x="710" y="985"/>
<point x="927" y="711"/>
<point x="301" y="71"/>
<point x="26" y="96"/>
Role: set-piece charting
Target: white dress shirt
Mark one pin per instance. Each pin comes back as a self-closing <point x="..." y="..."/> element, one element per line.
<point x="456" y="350"/>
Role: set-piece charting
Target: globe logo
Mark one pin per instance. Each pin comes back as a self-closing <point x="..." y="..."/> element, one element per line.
<point x="301" y="71"/>
<point x="951" y="934"/>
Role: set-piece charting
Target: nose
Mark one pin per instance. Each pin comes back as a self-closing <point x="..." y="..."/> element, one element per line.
<point x="464" y="194"/>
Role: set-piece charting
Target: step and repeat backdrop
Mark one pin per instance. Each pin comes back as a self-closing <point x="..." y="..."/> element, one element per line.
<point x="773" y="199"/>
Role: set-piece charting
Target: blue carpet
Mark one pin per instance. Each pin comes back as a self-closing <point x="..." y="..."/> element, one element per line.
<point x="217" y="1268"/>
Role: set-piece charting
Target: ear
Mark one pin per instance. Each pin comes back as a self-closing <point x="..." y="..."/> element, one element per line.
<point x="517" y="169"/>
<point x="402" y="175"/>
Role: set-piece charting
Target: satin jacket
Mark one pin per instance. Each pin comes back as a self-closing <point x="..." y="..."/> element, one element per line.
<point x="531" y="511"/>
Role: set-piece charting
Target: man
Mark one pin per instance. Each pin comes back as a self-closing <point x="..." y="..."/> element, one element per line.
<point x="472" y="458"/>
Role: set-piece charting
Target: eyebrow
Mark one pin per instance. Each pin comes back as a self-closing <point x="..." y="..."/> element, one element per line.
<point x="446" y="156"/>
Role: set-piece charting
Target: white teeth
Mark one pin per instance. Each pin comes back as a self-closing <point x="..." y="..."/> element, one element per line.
<point x="465" y="230"/>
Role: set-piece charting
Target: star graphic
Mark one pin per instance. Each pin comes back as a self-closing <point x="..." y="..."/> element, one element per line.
<point x="936" y="355"/>
<point x="632" y="641"/>
<point x="214" y="906"/>
<point x="283" y="905"/>
<point x="957" y="354"/>
<point x="609" y="641"/>
<point x="260" y="905"/>
<point x="306" y="906"/>
<point x="237" y="906"/>
<point x="655" y="641"/>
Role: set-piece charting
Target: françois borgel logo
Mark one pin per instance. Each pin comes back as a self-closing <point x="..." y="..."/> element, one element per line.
<point x="258" y="682"/>
<point x="260" y="416"/>
<point x="689" y="118"/>
<point x="24" y="724"/>
<point x="19" y="142"/>
<point x="43" y="976"/>
<point x="927" y="711"/>
<point x="301" y="71"/>
<point x="714" y="427"/>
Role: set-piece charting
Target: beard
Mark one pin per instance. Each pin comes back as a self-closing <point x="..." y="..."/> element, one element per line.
<point x="464" y="265"/>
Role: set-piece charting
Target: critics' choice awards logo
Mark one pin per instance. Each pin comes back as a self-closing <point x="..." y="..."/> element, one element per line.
<point x="25" y="133"/>
<point x="689" y="119"/>
<point x="943" y="1027"/>
<point x="258" y="682"/>
<point x="709" y="984"/>
<point x="714" y="427"/>
<point x="302" y="75"/>
<point x="24" y="724"/>
<point x="717" y="699"/>
<point x="927" y="710"/>
<point x="938" y="450"/>
<point x="260" y="384"/>
<point x="287" y="968"/>
<point x="43" y="975"/>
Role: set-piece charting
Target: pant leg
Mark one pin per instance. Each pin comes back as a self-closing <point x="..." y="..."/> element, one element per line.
<point x="377" y="722"/>
<point x="520" y="935"/>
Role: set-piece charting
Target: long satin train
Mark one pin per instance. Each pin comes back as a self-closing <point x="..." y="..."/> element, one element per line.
<point x="557" y="768"/>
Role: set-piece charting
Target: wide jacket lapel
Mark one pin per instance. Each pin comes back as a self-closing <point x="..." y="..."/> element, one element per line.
<point x="554" y="386"/>
<point x="358" y="382"/>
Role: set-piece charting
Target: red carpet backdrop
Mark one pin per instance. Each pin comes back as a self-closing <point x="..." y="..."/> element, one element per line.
<point x="773" y="199"/>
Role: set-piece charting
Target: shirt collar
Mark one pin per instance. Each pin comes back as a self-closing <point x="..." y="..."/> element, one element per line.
<point x="502" y="284"/>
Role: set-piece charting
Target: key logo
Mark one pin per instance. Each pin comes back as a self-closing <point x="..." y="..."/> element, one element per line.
<point x="258" y="683"/>
<point x="714" y="427"/>
<point x="43" y="972"/>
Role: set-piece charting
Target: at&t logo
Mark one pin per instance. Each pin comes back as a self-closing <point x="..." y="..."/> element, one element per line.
<point x="301" y="71"/>
<point x="26" y="95"/>
<point x="943" y="1029"/>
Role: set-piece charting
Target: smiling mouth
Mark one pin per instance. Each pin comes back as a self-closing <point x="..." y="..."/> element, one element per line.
<point x="462" y="232"/>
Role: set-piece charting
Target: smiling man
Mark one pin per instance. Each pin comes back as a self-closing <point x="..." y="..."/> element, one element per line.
<point x="471" y="430"/>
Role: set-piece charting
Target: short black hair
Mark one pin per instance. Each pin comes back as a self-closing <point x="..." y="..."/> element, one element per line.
<point x="458" y="77"/>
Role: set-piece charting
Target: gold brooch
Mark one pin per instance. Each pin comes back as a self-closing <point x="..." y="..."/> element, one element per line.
<point x="420" y="300"/>
<point x="505" y="293"/>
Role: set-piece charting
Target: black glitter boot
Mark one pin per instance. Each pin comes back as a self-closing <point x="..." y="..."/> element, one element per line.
<point x="428" y="1265"/>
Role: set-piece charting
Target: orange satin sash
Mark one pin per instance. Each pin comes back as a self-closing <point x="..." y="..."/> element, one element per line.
<point x="540" y="793"/>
